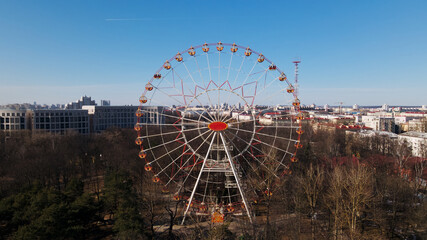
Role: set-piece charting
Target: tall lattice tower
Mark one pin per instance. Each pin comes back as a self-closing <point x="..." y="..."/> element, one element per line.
<point x="296" y="76"/>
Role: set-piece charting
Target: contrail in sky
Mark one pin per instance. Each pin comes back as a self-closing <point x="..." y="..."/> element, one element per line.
<point x="131" y="19"/>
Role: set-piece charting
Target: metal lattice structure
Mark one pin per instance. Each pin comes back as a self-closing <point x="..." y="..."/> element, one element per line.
<point x="222" y="136"/>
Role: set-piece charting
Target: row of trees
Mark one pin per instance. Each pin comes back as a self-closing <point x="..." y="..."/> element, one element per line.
<point x="73" y="186"/>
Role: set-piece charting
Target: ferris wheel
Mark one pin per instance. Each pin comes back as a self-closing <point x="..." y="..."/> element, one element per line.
<point x="217" y="125"/>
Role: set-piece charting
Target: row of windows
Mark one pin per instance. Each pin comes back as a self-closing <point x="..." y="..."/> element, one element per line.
<point x="48" y="114"/>
<point x="12" y="120"/>
<point x="61" y="126"/>
<point x="106" y="121"/>
<point x="123" y="115"/>
<point x="61" y="119"/>
<point x="62" y="131"/>
<point x="12" y="114"/>
<point x="12" y="127"/>
<point x="132" y="110"/>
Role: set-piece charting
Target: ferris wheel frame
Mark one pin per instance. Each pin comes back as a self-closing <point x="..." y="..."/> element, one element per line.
<point x="206" y="121"/>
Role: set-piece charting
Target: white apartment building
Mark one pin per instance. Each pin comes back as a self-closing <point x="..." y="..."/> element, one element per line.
<point x="417" y="141"/>
<point x="379" y="123"/>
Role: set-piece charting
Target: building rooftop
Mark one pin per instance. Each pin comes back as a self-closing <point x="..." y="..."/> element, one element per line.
<point x="414" y="134"/>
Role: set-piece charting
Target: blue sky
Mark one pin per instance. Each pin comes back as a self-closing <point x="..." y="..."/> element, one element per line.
<point x="364" y="52"/>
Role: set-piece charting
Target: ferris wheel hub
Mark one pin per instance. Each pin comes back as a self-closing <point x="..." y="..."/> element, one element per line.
<point x="218" y="126"/>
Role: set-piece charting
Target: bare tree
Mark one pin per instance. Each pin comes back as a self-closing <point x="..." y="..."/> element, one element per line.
<point x="359" y="190"/>
<point x="312" y="185"/>
<point x="334" y="199"/>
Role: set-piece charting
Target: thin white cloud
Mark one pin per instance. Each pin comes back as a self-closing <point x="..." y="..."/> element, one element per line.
<point x="130" y="19"/>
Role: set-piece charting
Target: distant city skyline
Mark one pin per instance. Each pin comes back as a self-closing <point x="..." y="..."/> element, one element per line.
<point x="365" y="53"/>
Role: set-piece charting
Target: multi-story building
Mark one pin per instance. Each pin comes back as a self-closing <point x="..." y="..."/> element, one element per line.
<point x="11" y="119"/>
<point x="379" y="123"/>
<point x="417" y="141"/>
<point x="80" y="103"/>
<point x="104" y="117"/>
<point x="61" y="121"/>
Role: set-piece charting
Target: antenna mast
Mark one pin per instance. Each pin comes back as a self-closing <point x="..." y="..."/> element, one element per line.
<point x="296" y="76"/>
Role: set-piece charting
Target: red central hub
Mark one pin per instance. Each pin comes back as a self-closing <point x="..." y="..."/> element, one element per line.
<point x="218" y="126"/>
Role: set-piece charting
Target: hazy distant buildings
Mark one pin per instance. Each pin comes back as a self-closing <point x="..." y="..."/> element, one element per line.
<point x="356" y="107"/>
<point x="105" y="103"/>
<point x="326" y="107"/>
<point x="385" y="107"/>
<point x="80" y="103"/>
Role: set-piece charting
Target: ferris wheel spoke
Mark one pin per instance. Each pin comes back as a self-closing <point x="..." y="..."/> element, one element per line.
<point x="181" y="145"/>
<point x="196" y="97"/>
<point x="165" y="78"/>
<point x="224" y="116"/>
<point x="166" y="94"/>
<point x="256" y="158"/>
<point x="283" y="115"/>
<point x="175" y="132"/>
<point x="263" y="134"/>
<point x="210" y="79"/>
<point x="250" y="72"/>
<point x="156" y="124"/>
<point x="247" y="161"/>
<point x="239" y="122"/>
<point x="274" y="126"/>
<point x="204" y="84"/>
<point x="201" y="115"/>
<point x="174" y="160"/>
<point x="270" y="96"/>
<point x="231" y="117"/>
<point x="237" y="75"/>
<point x="190" y="75"/>
<point x="194" y="94"/>
<point x="175" y="117"/>
<point x="165" y="143"/>
<point x="209" y="67"/>
<point x="253" y="146"/>
<point x="200" y="72"/>
<point x="205" y="110"/>
<point x="229" y="66"/>
<point x="269" y="84"/>
<point x="189" y="173"/>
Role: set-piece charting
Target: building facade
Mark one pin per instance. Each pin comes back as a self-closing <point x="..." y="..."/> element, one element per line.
<point x="90" y="119"/>
<point x="61" y="121"/>
<point x="104" y="117"/>
<point x="11" y="120"/>
<point x="379" y="123"/>
<point x="417" y="141"/>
